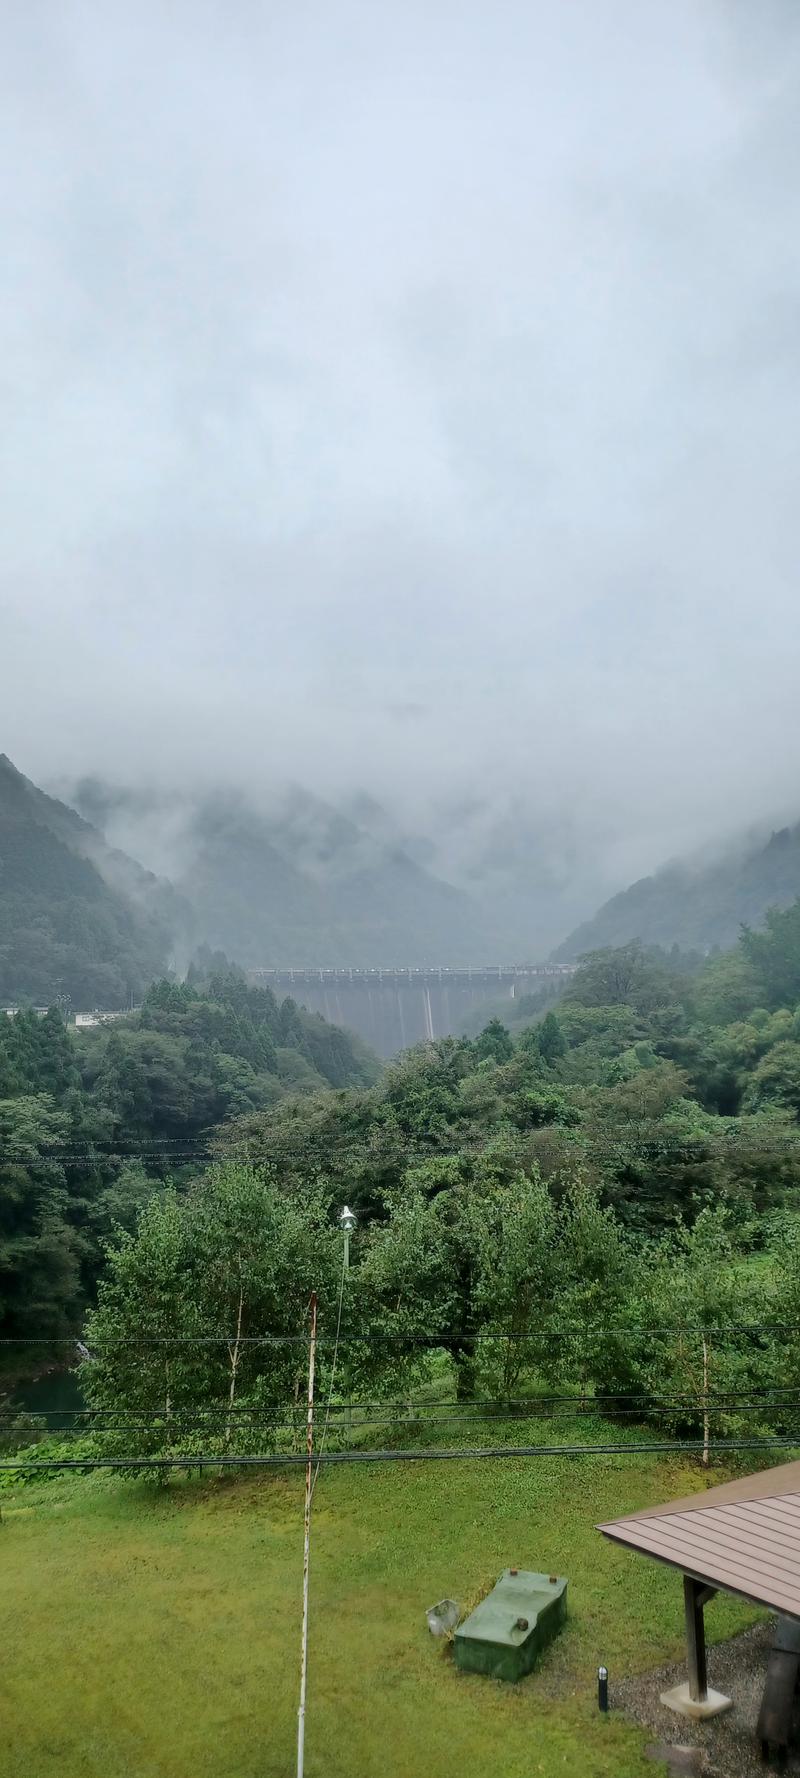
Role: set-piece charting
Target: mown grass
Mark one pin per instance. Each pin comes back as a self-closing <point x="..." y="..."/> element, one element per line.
<point x="154" y="1633"/>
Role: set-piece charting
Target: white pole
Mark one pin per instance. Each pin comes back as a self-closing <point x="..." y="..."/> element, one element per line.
<point x="348" y="1413"/>
<point x="348" y="1222"/>
<point x="301" y="1714"/>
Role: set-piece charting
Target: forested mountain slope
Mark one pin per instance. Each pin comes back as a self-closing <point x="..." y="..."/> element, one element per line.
<point x="296" y="884"/>
<point x="552" y="1187"/>
<point x="76" y="918"/>
<point x="696" y="908"/>
<point x="90" y="1122"/>
<point x="608" y="1203"/>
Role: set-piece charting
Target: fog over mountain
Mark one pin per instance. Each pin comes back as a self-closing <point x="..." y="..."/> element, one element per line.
<point x="291" y="879"/>
<point x="293" y="884"/>
<point x="698" y="903"/>
<point x="402" y="403"/>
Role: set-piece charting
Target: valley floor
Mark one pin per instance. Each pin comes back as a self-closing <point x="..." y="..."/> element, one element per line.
<point x="155" y="1633"/>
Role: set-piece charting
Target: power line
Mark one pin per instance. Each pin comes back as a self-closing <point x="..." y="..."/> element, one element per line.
<point x="290" y="1460"/>
<point x="601" y="1399"/>
<point x="175" y="1148"/>
<point x="183" y="1425"/>
<point x="85" y="1421"/>
<point x="433" y="1342"/>
<point x="308" y="1144"/>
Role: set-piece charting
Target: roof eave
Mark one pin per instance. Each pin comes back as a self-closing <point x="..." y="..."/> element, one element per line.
<point x="706" y="1580"/>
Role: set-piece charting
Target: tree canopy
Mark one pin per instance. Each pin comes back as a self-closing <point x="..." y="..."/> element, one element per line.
<point x="92" y="1123"/>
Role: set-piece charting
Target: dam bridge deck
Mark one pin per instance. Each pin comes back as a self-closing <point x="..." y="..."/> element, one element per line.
<point x="392" y="1008"/>
<point x="493" y="974"/>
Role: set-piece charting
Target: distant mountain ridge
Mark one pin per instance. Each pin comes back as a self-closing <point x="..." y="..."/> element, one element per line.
<point x="522" y="867"/>
<point x="299" y="884"/>
<point x="699" y="907"/>
<point x="76" y="918"/>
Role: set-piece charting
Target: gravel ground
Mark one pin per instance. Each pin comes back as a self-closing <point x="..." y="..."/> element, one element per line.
<point x="725" y="1747"/>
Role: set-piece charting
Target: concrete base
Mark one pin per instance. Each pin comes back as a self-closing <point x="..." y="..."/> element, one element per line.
<point x="697" y="1709"/>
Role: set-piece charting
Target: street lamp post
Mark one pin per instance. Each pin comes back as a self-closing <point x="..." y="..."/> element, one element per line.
<point x="347" y="1219"/>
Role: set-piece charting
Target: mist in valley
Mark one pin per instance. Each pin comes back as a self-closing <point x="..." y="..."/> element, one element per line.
<point x="400" y="441"/>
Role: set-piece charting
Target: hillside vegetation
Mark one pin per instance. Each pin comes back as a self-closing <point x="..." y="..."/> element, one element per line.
<point x="76" y="920"/>
<point x="529" y="1209"/>
<point x="92" y="1122"/>
<point x="530" y="1212"/>
<point x="696" y="908"/>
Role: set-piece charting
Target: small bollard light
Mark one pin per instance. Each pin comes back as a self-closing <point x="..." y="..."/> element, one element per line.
<point x="602" y="1688"/>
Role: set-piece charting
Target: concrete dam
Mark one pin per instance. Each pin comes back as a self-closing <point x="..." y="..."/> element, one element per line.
<point x="394" y="1008"/>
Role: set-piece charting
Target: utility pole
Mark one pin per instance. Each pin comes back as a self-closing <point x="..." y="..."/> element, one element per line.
<point x="301" y="1714"/>
<point x="348" y="1222"/>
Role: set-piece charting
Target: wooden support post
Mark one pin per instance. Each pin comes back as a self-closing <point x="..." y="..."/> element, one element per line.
<point x="694" y="1699"/>
<point x="695" y="1596"/>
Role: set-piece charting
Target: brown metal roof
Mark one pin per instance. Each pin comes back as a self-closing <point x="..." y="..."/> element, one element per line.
<point x="743" y="1537"/>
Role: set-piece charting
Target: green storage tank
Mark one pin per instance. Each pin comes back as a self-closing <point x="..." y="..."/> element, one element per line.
<point x="506" y="1633"/>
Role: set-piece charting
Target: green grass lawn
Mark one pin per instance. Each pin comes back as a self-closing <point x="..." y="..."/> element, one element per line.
<point x="155" y="1634"/>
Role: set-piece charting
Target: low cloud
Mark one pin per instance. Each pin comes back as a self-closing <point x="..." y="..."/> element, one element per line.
<point x="405" y="402"/>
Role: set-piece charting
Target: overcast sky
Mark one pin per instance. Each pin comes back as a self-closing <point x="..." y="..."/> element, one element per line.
<point x="406" y="395"/>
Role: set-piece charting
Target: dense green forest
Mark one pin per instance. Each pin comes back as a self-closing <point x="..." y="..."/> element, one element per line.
<point x="606" y="1201"/>
<point x="92" y="1122"/>
<point x="606" y="1204"/>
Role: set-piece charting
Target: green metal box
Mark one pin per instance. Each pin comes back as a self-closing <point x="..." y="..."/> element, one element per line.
<point x="504" y="1635"/>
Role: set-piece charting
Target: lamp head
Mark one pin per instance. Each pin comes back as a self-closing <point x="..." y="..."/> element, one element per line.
<point x="347" y="1218"/>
